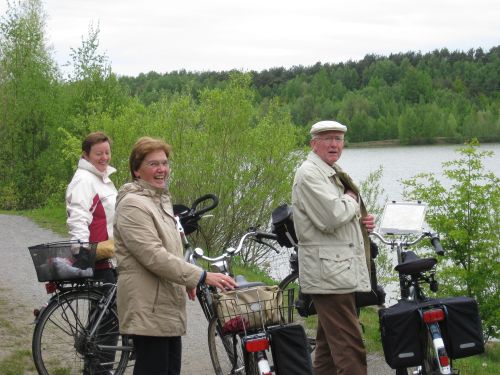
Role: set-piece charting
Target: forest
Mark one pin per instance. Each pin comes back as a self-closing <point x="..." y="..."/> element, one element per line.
<point x="412" y="97"/>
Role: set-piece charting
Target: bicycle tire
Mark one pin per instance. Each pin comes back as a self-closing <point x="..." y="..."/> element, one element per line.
<point x="290" y="288"/>
<point x="221" y="349"/>
<point x="60" y="342"/>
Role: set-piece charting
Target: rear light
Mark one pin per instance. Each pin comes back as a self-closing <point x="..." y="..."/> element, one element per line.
<point x="257" y="344"/>
<point x="444" y="361"/>
<point x="434" y="315"/>
<point x="50" y="287"/>
<point x="36" y="312"/>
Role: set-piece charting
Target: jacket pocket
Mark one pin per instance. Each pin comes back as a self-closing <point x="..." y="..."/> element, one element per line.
<point x="338" y="269"/>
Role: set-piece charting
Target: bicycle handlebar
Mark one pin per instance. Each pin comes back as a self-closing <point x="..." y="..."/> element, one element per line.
<point x="435" y="241"/>
<point x="194" y="206"/>
<point x="231" y="252"/>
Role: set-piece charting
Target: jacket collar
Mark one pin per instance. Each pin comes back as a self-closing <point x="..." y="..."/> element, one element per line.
<point x="328" y="170"/>
<point x="86" y="165"/>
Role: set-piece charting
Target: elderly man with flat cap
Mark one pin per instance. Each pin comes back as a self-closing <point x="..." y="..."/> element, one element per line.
<point x="332" y="227"/>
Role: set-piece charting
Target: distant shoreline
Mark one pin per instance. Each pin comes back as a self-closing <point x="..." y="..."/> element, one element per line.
<point x="397" y="143"/>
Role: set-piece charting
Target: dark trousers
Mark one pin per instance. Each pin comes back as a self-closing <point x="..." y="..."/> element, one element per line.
<point x="339" y="344"/>
<point x="157" y="355"/>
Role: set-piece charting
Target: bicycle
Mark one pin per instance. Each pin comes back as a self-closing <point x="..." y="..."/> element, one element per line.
<point x="416" y="333"/>
<point x="76" y="331"/>
<point x="239" y="324"/>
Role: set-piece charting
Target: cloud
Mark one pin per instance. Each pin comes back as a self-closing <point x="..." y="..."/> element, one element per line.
<point x="161" y="35"/>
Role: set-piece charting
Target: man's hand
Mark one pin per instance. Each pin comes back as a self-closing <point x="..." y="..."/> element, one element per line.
<point x="369" y="222"/>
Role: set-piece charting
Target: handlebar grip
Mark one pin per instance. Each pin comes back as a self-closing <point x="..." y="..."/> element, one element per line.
<point x="215" y="202"/>
<point x="269" y="236"/>
<point x="436" y="243"/>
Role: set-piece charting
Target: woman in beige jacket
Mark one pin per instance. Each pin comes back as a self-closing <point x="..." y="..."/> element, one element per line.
<point x="153" y="278"/>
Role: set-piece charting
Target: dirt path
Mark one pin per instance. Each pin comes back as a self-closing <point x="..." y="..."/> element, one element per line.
<point x="19" y="285"/>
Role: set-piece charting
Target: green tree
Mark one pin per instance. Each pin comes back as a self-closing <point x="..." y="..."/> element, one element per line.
<point x="467" y="214"/>
<point x="29" y="94"/>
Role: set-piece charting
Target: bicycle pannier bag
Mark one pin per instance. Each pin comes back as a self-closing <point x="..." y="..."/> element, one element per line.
<point x="282" y="225"/>
<point x="304" y="305"/>
<point x="400" y="327"/>
<point x="290" y="350"/>
<point x="376" y="296"/>
<point x="249" y="308"/>
<point x="462" y="329"/>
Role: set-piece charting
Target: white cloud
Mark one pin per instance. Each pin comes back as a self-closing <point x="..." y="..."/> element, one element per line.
<point x="162" y="35"/>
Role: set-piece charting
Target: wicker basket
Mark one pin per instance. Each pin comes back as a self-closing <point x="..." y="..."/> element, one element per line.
<point x="59" y="261"/>
<point x="240" y="310"/>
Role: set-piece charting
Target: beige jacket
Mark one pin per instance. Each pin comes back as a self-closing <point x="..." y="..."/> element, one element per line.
<point x="332" y="257"/>
<point x="153" y="274"/>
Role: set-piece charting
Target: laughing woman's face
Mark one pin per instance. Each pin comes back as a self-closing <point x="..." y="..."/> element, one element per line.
<point x="99" y="156"/>
<point x="154" y="169"/>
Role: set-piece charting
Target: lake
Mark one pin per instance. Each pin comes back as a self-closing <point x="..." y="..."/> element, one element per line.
<point x="401" y="163"/>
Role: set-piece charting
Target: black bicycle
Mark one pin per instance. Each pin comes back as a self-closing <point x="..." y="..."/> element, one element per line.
<point x="76" y="332"/>
<point x="422" y="335"/>
<point x="241" y="322"/>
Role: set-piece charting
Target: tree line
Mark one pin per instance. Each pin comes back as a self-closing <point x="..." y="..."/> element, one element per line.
<point x="412" y="97"/>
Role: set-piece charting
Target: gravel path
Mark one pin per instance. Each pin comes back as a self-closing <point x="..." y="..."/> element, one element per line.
<point x="18" y="281"/>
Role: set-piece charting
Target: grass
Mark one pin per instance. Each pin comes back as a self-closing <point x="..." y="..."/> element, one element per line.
<point x="15" y="355"/>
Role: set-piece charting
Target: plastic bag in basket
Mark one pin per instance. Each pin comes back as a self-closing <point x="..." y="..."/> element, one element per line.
<point x="249" y="308"/>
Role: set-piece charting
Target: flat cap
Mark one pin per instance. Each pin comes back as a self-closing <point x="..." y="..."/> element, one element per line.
<point x="324" y="126"/>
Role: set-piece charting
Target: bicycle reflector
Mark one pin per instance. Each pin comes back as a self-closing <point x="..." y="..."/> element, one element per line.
<point x="443" y="357"/>
<point x="433" y="315"/>
<point x="256" y="344"/>
<point x="50" y="287"/>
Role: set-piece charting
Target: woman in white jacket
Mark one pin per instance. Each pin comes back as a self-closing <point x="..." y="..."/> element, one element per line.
<point x="90" y="202"/>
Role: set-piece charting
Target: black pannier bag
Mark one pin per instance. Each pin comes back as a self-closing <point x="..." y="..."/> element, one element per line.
<point x="290" y="350"/>
<point x="462" y="329"/>
<point x="282" y="225"/>
<point x="400" y="328"/>
<point x="376" y="296"/>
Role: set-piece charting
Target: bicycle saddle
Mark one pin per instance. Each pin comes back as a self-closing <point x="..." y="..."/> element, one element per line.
<point x="243" y="283"/>
<point x="413" y="264"/>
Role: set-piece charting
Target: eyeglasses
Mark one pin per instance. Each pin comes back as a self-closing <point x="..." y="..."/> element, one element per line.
<point x="336" y="139"/>
<point x="157" y="163"/>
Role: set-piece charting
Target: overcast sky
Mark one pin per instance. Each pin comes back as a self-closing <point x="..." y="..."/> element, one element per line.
<point x="201" y="35"/>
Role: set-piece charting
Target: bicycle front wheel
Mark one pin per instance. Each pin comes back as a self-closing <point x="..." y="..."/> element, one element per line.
<point x="226" y="353"/>
<point x="290" y="288"/>
<point x="63" y="342"/>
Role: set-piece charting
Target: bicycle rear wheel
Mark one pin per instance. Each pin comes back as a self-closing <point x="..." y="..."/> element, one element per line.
<point x="226" y="353"/>
<point x="290" y="288"/>
<point x="62" y="344"/>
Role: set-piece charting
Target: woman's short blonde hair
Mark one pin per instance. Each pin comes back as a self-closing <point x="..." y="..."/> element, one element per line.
<point x="143" y="147"/>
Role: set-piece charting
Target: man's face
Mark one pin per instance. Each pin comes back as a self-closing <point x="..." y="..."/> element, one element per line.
<point x="328" y="146"/>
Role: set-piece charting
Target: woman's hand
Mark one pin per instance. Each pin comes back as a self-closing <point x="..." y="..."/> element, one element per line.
<point x="221" y="281"/>
<point x="191" y="292"/>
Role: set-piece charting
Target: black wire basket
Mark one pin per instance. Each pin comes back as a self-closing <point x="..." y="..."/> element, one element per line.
<point x="66" y="260"/>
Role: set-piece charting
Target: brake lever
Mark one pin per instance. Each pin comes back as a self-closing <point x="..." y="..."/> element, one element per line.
<point x="265" y="243"/>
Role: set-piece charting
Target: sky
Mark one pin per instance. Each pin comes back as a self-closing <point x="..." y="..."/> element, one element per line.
<point x="139" y="36"/>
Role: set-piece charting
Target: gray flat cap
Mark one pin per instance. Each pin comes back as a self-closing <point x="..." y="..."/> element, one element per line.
<point x="324" y="126"/>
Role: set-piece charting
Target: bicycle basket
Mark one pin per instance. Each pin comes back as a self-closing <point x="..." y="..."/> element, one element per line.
<point x="250" y="308"/>
<point x="63" y="260"/>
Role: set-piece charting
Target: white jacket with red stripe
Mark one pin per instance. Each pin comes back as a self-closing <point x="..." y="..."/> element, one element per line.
<point x="90" y="203"/>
